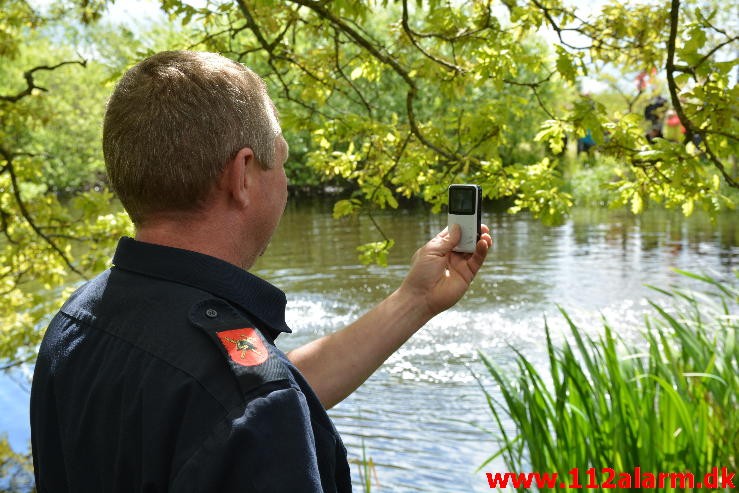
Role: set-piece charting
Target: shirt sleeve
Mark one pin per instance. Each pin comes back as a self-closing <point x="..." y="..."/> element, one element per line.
<point x="269" y="448"/>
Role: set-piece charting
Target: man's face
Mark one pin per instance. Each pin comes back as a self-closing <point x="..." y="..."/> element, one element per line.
<point x="272" y="192"/>
<point x="279" y="175"/>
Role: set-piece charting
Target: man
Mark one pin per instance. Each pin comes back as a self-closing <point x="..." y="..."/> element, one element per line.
<point x="161" y="373"/>
<point x="654" y="114"/>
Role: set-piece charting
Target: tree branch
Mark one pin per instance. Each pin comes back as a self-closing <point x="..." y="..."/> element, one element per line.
<point x="411" y="36"/>
<point x="319" y="9"/>
<point x="8" y="157"/>
<point x="4" y="225"/>
<point x="31" y="83"/>
<point x="690" y="129"/>
<point x="337" y="60"/>
<point x="559" y="30"/>
<point x="714" y="50"/>
<point x="396" y="161"/>
<point x="462" y="35"/>
<point x="13" y="364"/>
<point x="254" y="27"/>
<point x="534" y="87"/>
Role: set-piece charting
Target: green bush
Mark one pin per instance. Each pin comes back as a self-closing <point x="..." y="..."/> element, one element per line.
<point x="588" y="184"/>
<point x="669" y="405"/>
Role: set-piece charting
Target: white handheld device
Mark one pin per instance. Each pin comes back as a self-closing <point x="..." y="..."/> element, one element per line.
<point x="465" y="208"/>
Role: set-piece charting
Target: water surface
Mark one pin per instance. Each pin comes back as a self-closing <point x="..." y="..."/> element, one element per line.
<point x="422" y="417"/>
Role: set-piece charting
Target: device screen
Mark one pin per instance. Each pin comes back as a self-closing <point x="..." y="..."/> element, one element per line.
<point x="462" y="200"/>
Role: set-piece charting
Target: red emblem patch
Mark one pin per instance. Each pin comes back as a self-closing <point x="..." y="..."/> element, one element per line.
<point x="244" y="346"/>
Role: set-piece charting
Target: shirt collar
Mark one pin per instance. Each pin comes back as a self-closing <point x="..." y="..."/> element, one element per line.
<point x="254" y="295"/>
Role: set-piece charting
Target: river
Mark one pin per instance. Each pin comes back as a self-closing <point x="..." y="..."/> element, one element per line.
<point x="422" y="418"/>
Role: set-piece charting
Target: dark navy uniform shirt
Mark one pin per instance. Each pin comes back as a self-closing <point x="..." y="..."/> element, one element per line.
<point x="161" y="374"/>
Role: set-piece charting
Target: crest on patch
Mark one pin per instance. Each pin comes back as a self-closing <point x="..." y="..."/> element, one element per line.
<point x="244" y="346"/>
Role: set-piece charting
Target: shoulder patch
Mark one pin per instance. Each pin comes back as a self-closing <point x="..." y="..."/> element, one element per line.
<point x="251" y="358"/>
<point x="244" y="346"/>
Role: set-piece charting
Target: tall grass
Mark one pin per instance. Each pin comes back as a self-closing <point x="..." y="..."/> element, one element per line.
<point x="668" y="405"/>
<point x="366" y="469"/>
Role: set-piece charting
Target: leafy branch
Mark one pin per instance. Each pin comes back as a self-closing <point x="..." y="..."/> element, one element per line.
<point x="547" y="12"/>
<point x="534" y="86"/>
<point x="31" y="82"/>
<point x="386" y="59"/>
<point x="691" y="130"/>
<point x="412" y="37"/>
<point x="10" y="169"/>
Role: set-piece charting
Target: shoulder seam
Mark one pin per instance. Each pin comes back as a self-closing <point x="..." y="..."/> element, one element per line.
<point x="148" y="352"/>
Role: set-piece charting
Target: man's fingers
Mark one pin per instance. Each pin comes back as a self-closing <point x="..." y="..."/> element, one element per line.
<point x="486" y="236"/>
<point x="468" y="264"/>
<point x="448" y="238"/>
<point x="481" y="251"/>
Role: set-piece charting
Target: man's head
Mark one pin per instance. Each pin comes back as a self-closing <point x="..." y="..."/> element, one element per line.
<point x="173" y="123"/>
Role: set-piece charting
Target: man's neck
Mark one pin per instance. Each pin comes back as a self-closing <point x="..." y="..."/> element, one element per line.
<point x="197" y="235"/>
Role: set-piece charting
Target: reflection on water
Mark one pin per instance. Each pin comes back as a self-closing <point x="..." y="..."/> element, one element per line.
<point x="422" y="416"/>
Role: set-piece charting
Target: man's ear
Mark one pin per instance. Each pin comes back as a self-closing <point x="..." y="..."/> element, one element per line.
<point x="237" y="177"/>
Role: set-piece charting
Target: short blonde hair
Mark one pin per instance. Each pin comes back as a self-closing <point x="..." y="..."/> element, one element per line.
<point x="175" y="120"/>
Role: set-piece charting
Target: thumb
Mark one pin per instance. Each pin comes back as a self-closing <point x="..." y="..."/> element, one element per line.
<point x="441" y="244"/>
<point x="448" y="239"/>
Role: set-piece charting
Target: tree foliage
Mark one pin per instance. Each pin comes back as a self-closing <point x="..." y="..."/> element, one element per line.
<point x="16" y="470"/>
<point x="401" y="98"/>
<point x="397" y="98"/>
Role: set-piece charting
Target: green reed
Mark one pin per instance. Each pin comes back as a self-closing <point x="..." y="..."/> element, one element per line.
<point x="366" y="469"/>
<point x="667" y="404"/>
